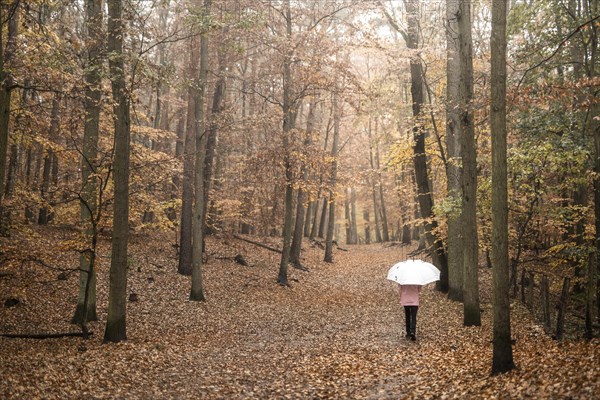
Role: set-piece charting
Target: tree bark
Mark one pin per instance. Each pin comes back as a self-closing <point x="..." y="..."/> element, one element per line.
<point x="373" y="185"/>
<point x="211" y="136"/>
<point x="323" y="220"/>
<point x="367" y="226"/>
<point x="384" y="221"/>
<point x="353" y="223"/>
<point x="189" y="151"/>
<point x="88" y="203"/>
<point x="424" y="194"/>
<point x="562" y="309"/>
<point x="545" y="303"/>
<point x="472" y="315"/>
<point x="594" y="93"/>
<point x="45" y="213"/>
<point x="332" y="197"/>
<point x="299" y="231"/>
<point x="116" y="319"/>
<point x="9" y="13"/>
<point x="502" y="358"/>
<point x="289" y="117"/>
<point x="308" y="217"/>
<point x="453" y="145"/>
<point x="197" y="289"/>
<point x="347" y="217"/>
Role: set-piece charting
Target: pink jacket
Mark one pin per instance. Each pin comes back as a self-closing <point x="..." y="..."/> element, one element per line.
<point x="409" y="295"/>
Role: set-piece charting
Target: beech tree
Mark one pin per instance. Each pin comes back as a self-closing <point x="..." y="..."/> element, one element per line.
<point x="86" y="302"/>
<point x="469" y="177"/>
<point x="289" y="109"/>
<point x="116" y="327"/>
<point x="189" y="150"/>
<point x="197" y="290"/>
<point x="502" y="360"/>
<point x="454" y="164"/>
<point x="337" y="116"/>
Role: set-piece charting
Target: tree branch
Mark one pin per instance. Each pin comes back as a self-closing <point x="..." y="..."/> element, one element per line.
<point x="555" y="52"/>
<point x="394" y="24"/>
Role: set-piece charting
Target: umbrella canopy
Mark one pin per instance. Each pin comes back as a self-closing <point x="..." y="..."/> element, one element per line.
<point x="413" y="272"/>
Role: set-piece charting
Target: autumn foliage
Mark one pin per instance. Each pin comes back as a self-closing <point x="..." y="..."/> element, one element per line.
<point x="335" y="333"/>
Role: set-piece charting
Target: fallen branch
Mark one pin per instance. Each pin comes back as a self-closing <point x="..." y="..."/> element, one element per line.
<point x="299" y="266"/>
<point x="318" y="244"/>
<point x="264" y="246"/>
<point x="238" y="259"/>
<point x="45" y="335"/>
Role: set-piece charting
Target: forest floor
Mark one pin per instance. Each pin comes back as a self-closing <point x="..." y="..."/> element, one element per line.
<point x="335" y="333"/>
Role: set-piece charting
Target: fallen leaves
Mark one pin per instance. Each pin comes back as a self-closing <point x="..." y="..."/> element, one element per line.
<point x="335" y="333"/>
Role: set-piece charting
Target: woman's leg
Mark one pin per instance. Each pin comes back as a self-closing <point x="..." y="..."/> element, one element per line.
<point x="407" y="318"/>
<point x="413" y="321"/>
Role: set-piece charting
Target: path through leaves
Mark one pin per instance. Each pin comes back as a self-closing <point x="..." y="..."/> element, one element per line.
<point x="336" y="333"/>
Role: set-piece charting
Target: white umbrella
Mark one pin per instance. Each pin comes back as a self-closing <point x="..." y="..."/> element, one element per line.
<point x="413" y="272"/>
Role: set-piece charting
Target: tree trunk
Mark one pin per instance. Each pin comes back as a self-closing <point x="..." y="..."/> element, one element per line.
<point x="594" y="120"/>
<point x="176" y="179"/>
<point x="189" y="150"/>
<point x="347" y="216"/>
<point x="88" y="207"/>
<point x="453" y="145"/>
<point x="200" y="176"/>
<point x="321" y="203"/>
<point x="384" y="222"/>
<point x="308" y="217"/>
<point x="373" y="185"/>
<point x="299" y="231"/>
<point x="367" y="226"/>
<point x="211" y="135"/>
<point x="562" y="309"/>
<point x="116" y="319"/>
<point x="9" y="13"/>
<point x="13" y="166"/>
<point x="580" y="192"/>
<point x="589" y="296"/>
<point x="332" y="197"/>
<point x="545" y="303"/>
<point x="424" y="195"/>
<point x="35" y="151"/>
<point x="323" y="220"/>
<point x="353" y="223"/>
<point x="472" y="315"/>
<point x="44" y="214"/>
<point x="289" y="117"/>
<point x="161" y="114"/>
<point x="502" y="358"/>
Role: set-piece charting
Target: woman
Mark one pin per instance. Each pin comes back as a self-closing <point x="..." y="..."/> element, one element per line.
<point x="409" y="298"/>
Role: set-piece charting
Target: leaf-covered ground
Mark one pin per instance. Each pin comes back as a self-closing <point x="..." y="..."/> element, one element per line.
<point x="336" y="333"/>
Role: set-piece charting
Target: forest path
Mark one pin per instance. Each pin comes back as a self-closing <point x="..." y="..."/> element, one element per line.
<point x="336" y="333"/>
